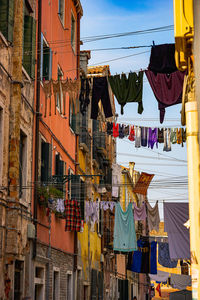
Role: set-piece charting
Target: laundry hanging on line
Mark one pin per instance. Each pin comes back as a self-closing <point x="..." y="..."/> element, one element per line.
<point x="124" y="230"/>
<point x="145" y="258"/>
<point x="147" y="136"/>
<point x="128" y="89"/>
<point x="175" y="216"/>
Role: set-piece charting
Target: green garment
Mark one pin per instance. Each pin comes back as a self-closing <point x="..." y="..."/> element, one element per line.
<point x="128" y="89"/>
<point x="173" y="137"/>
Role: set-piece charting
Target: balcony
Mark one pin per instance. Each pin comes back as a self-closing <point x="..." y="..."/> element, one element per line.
<point x="85" y="140"/>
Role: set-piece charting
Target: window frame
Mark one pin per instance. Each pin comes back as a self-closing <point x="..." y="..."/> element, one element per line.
<point x="59" y="76"/>
<point x="23" y="161"/>
<point x="73" y="31"/>
<point x="69" y="273"/>
<point x="57" y="294"/>
<point x="61" y="14"/>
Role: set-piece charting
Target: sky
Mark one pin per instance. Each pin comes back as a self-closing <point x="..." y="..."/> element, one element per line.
<point x="116" y="16"/>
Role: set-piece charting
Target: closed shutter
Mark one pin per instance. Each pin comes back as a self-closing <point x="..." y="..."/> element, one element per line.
<point x="82" y="198"/>
<point x="29" y="45"/>
<point x="45" y="162"/>
<point x="100" y="286"/>
<point x="93" y="285"/>
<point x="75" y="187"/>
<point x="7" y="18"/>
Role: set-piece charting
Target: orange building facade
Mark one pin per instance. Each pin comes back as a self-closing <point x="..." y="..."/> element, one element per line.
<point x="54" y="249"/>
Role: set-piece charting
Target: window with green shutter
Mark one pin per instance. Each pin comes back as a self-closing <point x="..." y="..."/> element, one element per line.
<point x="46" y="61"/>
<point x="7" y="18"/>
<point x="29" y="45"/>
<point x="46" y="163"/>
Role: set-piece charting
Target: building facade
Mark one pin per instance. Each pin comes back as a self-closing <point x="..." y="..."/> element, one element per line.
<point x="17" y="69"/>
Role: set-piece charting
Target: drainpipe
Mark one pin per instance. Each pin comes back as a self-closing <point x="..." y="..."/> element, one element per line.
<point x="76" y="156"/>
<point x="37" y="99"/>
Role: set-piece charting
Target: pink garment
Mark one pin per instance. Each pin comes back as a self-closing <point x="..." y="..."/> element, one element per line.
<point x="139" y="212"/>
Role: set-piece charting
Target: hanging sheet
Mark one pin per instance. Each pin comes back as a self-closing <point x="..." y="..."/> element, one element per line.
<point x="175" y="216"/>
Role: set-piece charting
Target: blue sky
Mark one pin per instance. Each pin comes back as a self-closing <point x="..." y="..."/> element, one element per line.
<point x="115" y="16"/>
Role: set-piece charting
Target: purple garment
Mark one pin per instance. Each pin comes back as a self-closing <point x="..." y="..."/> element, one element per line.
<point x="139" y="212"/>
<point x="167" y="89"/>
<point x="175" y="216"/>
<point x="153" y="137"/>
<point x="144" y="136"/>
<point x="162" y="59"/>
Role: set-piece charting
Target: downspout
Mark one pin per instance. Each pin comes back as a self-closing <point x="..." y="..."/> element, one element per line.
<point x="76" y="155"/>
<point x="37" y="123"/>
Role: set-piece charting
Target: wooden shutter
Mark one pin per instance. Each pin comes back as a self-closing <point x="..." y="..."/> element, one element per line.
<point x="82" y="198"/>
<point x="45" y="162"/>
<point x="7" y="18"/>
<point x="100" y="286"/>
<point x="57" y="164"/>
<point x="29" y="45"/>
<point x="93" y="284"/>
<point x="75" y="187"/>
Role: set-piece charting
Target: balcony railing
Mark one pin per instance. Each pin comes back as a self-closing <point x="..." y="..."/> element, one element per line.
<point x="85" y="138"/>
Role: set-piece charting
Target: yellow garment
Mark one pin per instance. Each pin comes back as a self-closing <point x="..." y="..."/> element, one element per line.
<point x="179" y="135"/>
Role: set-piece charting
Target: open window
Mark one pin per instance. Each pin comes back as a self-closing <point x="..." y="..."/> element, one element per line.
<point x="56" y="284"/>
<point x="46" y="60"/>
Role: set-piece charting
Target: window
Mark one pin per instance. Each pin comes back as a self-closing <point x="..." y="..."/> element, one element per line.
<point x="7" y="19"/>
<point x="59" y="101"/>
<point x="29" y="42"/>
<point x="18" y="279"/>
<point x="61" y="10"/>
<point x="56" y="284"/>
<point x="1" y="144"/>
<point x="69" y="286"/>
<point x="82" y="198"/>
<point x="46" y="161"/>
<point x="59" y="171"/>
<point x="72" y="116"/>
<point x="73" y="32"/>
<point x="78" y="289"/>
<point x="39" y="282"/>
<point x="22" y="165"/>
<point x="46" y="60"/>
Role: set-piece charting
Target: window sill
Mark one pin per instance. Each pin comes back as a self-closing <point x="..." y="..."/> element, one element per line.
<point x="72" y="131"/>
<point x="62" y="22"/>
